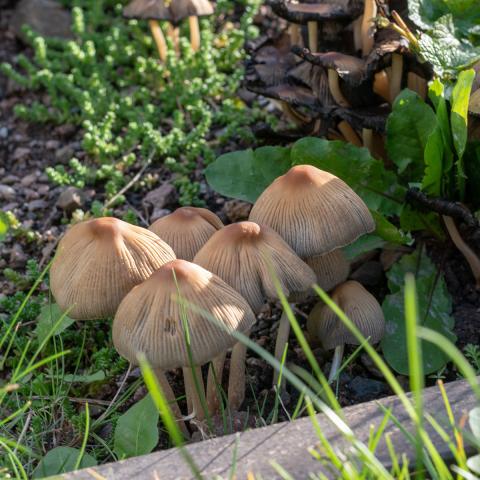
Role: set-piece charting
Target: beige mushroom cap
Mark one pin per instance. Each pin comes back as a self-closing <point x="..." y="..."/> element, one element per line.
<point x="149" y="319"/>
<point x="99" y="261"/>
<point x="244" y="254"/>
<point x="361" y="308"/>
<point x="331" y="269"/>
<point x="186" y="230"/>
<point x="314" y="211"/>
<point x="172" y="10"/>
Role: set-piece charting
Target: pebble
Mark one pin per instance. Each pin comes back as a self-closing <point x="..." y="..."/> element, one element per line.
<point x="43" y="189"/>
<point x="52" y="144"/>
<point x="71" y="199"/>
<point x="37" y="205"/>
<point x="237" y="210"/>
<point x="20" y="153"/>
<point x="160" y="197"/>
<point x="64" y="154"/>
<point x="18" y="258"/>
<point x="10" y="179"/>
<point x="28" y="180"/>
<point x="3" y="132"/>
<point x="6" y="192"/>
<point x="31" y="194"/>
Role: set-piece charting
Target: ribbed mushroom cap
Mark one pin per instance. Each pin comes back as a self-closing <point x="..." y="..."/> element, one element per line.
<point x="186" y="230"/>
<point x="313" y="12"/>
<point x="361" y="308"/>
<point x="244" y="254"/>
<point x="99" y="261"/>
<point x="172" y="10"/>
<point x="314" y="211"/>
<point x="331" y="269"/>
<point x="149" y="319"/>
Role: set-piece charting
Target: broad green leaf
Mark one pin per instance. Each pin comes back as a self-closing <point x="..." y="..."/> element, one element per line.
<point x="434" y="306"/>
<point x="4" y="225"/>
<point x="246" y="173"/>
<point x="49" y="316"/>
<point x="136" y="432"/>
<point x="409" y="127"/>
<point x="61" y="460"/>
<point x="387" y="230"/>
<point x="356" y="167"/>
<point x="413" y="220"/>
<point x="366" y="243"/>
<point x="433" y="158"/>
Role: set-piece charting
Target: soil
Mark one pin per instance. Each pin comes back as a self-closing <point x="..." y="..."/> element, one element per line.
<point x="26" y="149"/>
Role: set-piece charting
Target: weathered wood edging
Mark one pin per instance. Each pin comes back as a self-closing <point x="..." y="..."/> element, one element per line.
<point x="286" y="443"/>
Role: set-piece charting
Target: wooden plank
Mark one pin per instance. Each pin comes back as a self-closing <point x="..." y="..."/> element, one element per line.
<point x="287" y="444"/>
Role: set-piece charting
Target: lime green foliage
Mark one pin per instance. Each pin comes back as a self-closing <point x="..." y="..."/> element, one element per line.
<point x="137" y="429"/>
<point x="109" y="81"/>
<point x="61" y="460"/>
<point x="451" y="35"/>
<point x="434" y="307"/>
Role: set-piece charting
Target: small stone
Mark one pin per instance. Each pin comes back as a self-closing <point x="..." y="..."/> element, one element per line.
<point x="30" y="194"/>
<point x="37" y="205"/>
<point x="43" y="189"/>
<point x="6" y="192"/>
<point x="3" y="132"/>
<point x="369" y="274"/>
<point x="20" y="153"/>
<point x="46" y="17"/>
<point x="71" y="199"/>
<point x="64" y="154"/>
<point x="160" y="197"/>
<point x="237" y="210"/>
<point x="28" y="180"/>
<point x="18" y="258"/>
<point x="52" y="144"/>
<point x="159" y="213"/>
<point x="365" y="389"/>
<point x="10" y="179"/>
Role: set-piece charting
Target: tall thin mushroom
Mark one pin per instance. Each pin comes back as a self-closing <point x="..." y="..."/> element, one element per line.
<point x="247" y="255"/>
<point x="314" y="212"/>
<point x="151" y="320"/>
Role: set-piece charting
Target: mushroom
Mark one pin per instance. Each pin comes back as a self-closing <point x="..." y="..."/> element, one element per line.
<point x="246" y="255"/>
<point x="395" y="77"/>
<point x="331" y="269"/>
<point x="186" y="230"/>
<point x="99" y="261"/>
<point x="151" y="320"/>
<point x="367" y="27"/>
<point x="360" y="307"/>
<point x="174" y="11"/>
<point x="418" y="84"/>
<point x="314" y="212"/>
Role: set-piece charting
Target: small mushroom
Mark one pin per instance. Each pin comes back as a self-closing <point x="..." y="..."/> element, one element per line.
<point x="99" y="261"/>
<point x="367" y="28"/>
<point x="245" y="255"/>
<point x="395" y="78"/>
<point x="360" y="307"/>
<point x="314" y="212"/>
<point x="151" y="319"/>
<point x="186" y="230"/>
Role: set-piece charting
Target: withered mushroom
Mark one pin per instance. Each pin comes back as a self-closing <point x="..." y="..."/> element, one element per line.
<point x="247" y="255"/>
<point x="314" y="212"/>
<point x="360" y="307"/>
<point x="99" y="261"/>
<point x="186" y="230"/>
<point x="152" y="317"/>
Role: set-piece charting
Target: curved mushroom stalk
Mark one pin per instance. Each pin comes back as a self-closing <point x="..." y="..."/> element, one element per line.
<point x="417" y="84"/>
<point x="396" y="76"/>
<point x="313" y="36"/>
<point x="159" y="39"/>
<point x="336" y="362"/>
<point x="295" y="34"/>
<point x="381" y="85"/>
<point x="367" y="138"/>
<point x="464" y="249"/>
<point x="174" y="34"/>
<point x="236" y="379"/>
<point x="349" y="133"/>
<point x="369" y="12"/>
<point x="280" y="342"/>
<point x="171" y="399"/>
<point x="194" y="32"/>
<point x="214" y="383"/>
<point x="334" y="84"/>
<point x="195" y="392"/>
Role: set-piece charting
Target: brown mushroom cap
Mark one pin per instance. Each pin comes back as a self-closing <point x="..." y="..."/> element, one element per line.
<point x="244" y="254"/>
<point x="186" y="230"/>
<point x="172" y="10"/>
<point x="149" y="319"/>
<point x="99" y="261"/>
<point x="313" y="211"/>
<point x="331" y="269"/>
<point x="361" y="308"/>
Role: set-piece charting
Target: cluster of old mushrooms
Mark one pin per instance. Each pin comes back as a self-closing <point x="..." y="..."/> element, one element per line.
<point x="333" y="72"/>
<point x="173" y="12"/>
<point x="149" y="279"/>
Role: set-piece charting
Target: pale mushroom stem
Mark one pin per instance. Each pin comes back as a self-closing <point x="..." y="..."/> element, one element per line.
<point x="236" y="378"/>
<point x="294" y="31"/>
<point x="417" y="84"/>
<point x="336" y="362"/>
<point x="396" y="76"/>
<point x="214" y="383"/>
<point x="464" y="249"/>
<point x="172" y="400"/>
<point x="159" y="39"/>
<point x="349" y="133"/>
<point x="357" y="33"/>
<point x="367" y="137"/>
<point x="293" y="115"/>
<point x="381" y="85"/>
<point x="174" y="34"/>
<point x="282" y="339"/>
<point x="194" y="395"/>
<point x="334" y="85"/>
<point x="369" y="12"/>
<point x="313" y="36"/>
<point x="194" y="32"/>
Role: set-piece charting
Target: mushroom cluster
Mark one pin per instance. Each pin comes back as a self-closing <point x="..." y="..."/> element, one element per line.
<point x="158" y="283"/>
<point x="333" y="73"/>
